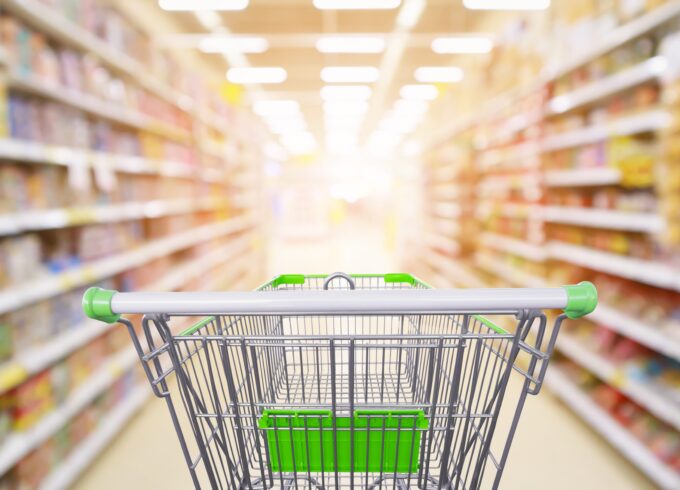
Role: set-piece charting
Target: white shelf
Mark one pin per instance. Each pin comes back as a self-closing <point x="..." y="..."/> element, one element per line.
<point x="644" y="394"/>
<point x="35" y="359"/>
<point x="603" y="423"/>
<point x="65" y="475"/>
<point x="91" y="104"/>
<point x="31" y="152"/>
<point x="596" y="91"/>
<point x="49" y="285"/>
<point x="514" y="246"/>
<point x="508" y="273"/>
<point x="619" y="36"/>
<point x="649" y="121"/>
<point x="648" y="272"/>
<point x="446" y="210"/>
<point x="652" y="336"/>
<point x="453" y="271"/>
<point x="582" y="177"/>
<point x="20" y="444"/>
<point x="59" y="218"/>
<point x="55" y="25"/>
<point x="604" y="218"/>
<point x="442" y="242"/>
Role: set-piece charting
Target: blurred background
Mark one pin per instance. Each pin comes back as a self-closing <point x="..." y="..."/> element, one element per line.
<point x="211" y="144"/>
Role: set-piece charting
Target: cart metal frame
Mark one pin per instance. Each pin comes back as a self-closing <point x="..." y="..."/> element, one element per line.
<point x="366" y="381"/>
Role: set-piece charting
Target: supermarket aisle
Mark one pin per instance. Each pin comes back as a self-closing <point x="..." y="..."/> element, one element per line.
<point x="553" y="448"/>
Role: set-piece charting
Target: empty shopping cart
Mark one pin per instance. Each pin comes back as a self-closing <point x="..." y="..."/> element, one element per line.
<point x="361" y="381"/>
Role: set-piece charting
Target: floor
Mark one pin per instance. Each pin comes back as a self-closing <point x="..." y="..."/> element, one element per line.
<point x="552" y="449"/>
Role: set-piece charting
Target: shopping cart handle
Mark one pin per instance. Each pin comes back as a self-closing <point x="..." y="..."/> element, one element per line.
<point x="576" y="301"/>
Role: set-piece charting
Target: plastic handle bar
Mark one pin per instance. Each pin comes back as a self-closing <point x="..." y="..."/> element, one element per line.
<point x="576" y="301"/>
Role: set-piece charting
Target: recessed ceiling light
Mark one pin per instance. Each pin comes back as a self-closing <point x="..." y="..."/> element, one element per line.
<point x="357" y="108"/>
<point x="346" y="92"/>
<point x="192" y="5"/>
<point x="248" y="75"/>
<point x="419" y="92"/>
<point x="225" y="44"/>
<point x="276" y="107"/>
<point x="462" y="45"/>
<point x="351" y="44"/>
<point x="438" y="74"/>
<point x="356" y="4"/>
<point x="344" y="74"/>
<point x="506" y="4"/>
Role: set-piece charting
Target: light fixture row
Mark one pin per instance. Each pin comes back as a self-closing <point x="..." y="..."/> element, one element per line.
<point x="348" y="44"/>
<point x="226" y="5"/>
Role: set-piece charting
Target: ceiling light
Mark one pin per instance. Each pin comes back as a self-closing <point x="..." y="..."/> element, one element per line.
<point x="192" y="5"/>
<point x="413" y="107"/>
<point x="351" y="44"/>
<point x="357" y="108"/>
<point x="506" y="4"/>
<point x="287" y="127"/>
<point x="438" y="74"/>
<point x="358" y="74"/>
<point x="346" y="92"/>
<point x="299" y="142"/>
<point x="246" y="75"/>
<point x="276" y="107"/>
<point x="356" y="4"/>
<point x="398" y="125"/>
<point x="419" y="92"/>
<point x="410" y="13"/>
<point x="224" y="44"/>
<point x="462" y="45"/>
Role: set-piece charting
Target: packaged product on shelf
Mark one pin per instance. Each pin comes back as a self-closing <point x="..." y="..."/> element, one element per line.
<point x="31" y="401"/>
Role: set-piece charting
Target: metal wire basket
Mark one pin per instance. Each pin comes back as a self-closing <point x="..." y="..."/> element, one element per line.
<point x="367" y="381"/>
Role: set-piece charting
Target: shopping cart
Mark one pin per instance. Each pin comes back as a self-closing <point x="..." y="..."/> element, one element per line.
<point x="366" y="381"/>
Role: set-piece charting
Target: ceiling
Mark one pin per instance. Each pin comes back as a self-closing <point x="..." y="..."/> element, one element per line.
<point x="292" y="28"/>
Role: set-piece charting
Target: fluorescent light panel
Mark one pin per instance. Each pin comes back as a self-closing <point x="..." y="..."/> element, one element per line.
<point x="263" y="75"/>
<point x="356" y="4"/>
<point x="419" y="92"/>
<point x="506" y="4"/>
<point x="339" y="108"/>
<point x="351" y="44"/>
<point x="276" y="107"/>
<point x="413" y="107"/>
<point x="224" y="44"/>
<point x="346" y="92"/>
<point x="438" y="74"/>
<point x="462" y="45"/>
<point x="193" y="5"/>
<point x="349" y="74"/>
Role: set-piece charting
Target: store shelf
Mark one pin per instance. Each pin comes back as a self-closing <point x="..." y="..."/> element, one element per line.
<point x="53" y="23"/>
<point x="32" y="152"/>
<point x="49" y="285"/>
<point x="441" y="242"/>
<point x="20" y="444"/>
<point x="453" y="271"/>
<point x="601" y="89"/>
<point x="582" y="177"/>
<point x="446" y="210"/>
<point x="35" y="359"/>
<point x="26" y="221"/>
<point x="509" y="273"/>
<point x="64" y="475"/>
<point x="645" y="394"/>
<point x="603" y="423"/>
<point x="648" y="272"/>
<point x="514" y="246"/>
<point x="604" y="218"/>
<point x="509" y="210"/>
<point x="644" y="122"/>
<point x="652" y="336"/>
<point x="638" y="27"/>
<point x="95" y="106"/>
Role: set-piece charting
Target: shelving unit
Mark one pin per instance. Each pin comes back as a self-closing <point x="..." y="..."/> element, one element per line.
<point x="195" y="226"/>
<point x="546" y="211"/>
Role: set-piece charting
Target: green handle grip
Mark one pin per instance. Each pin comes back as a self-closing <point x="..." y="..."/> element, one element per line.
<point x="581" y="299"/>
<point x="97" y="305"/>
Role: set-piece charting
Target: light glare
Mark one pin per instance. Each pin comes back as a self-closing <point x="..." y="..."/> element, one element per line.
<point x="261" y="75"/>
<point x="350" y="44"/>
<point x="193" y="5"/>
<point x="438" y="74"/>
<point x="356" y="4"/>
<point x="344" y="74"/>
<point x="462" y="45"/>
<point x="506" y="4"/>
<point x="419" y="92"/>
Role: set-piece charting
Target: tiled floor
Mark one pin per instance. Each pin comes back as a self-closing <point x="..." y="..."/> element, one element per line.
<point x="553" y="449"/>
